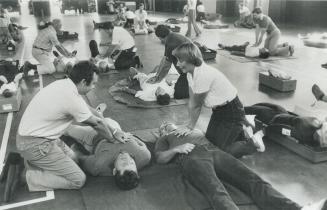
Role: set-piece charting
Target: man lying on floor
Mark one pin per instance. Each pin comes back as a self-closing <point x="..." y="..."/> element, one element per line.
<point x="307" y="130"/>
<point x="246" y="50"/>
<point x="161" y="92"/>
<point x="53" y="109"/>
<point x="111" y="158"/>
<point x="203" y="165"/>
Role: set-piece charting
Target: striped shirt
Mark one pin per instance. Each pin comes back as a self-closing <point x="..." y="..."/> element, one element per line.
<point x="46" y="39"/>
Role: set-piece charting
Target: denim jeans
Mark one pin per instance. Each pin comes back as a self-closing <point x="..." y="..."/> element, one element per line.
<point x="225" y="129"/>
<point x="49" y="164"/>
<point x="206" y="165"/>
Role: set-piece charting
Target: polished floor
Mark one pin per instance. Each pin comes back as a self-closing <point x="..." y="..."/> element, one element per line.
<point x="294" y="176"/>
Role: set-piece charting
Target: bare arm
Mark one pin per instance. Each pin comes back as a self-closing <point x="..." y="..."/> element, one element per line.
<point x="129" y="90"/>
<point x="101" y="127"/>
<point x="164" y="157"/>
<point x="162" y="71"/>
<point x="194" y="107"/>
<point x="63" y="50"/>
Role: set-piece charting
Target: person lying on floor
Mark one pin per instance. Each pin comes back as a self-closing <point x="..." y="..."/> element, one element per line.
<point x="307" y="130"/>
<point x="10" y="78"/>
<point x="172" y="41"/>
<point x="49" y="161"/>
<point x="205" y="166"/>
<point x="121" y="47"/>
<point x="246" y="50"/>
<point x="161" y="92"/>
<point x="106" y="158"/>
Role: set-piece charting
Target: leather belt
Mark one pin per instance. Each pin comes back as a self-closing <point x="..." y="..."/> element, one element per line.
<point x="39" y="48"/>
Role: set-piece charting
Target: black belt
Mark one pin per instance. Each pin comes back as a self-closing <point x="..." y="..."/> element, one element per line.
<point x="39" y="48"/>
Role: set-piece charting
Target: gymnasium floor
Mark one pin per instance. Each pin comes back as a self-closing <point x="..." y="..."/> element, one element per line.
<point x="294" y="176"/>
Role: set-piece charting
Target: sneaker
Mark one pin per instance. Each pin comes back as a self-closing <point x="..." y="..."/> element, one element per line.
<point x="258" y="142"/>
<point x="320" y="205"/>
<point x="317" y="92"/>
<point x="248" y="132"/>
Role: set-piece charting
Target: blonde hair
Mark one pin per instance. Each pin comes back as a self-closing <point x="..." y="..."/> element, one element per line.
<point x="189" y="53"/>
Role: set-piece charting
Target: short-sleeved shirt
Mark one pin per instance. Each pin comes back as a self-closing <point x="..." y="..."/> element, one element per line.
<point x="46" y="38"/>
<point x="266" y="22"/>
<point x="200" y="8"/>
<point x="141" y="16"/>
<point x="170" y="141"/>
<point x="252" y="52"/>
<point x="207" y="79"/>
<point x="123" y="38"/>
<point x="174" y="40"/>
<point x="129" y="15"/>
<point x="191" y="4"/>
<point x="53" y="110"/>
<point x="245" y="11"/>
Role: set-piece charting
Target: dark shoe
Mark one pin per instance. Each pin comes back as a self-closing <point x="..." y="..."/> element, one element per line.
<point x="317" y="92"/>
<point x="138" y="63"/>
<point x="74" y="52"/>
<point x="14" y="168"/>
<point x="221" y="46"/>
<point x="25" y="68"/>
<point x="55" y="53"/>
<point x="291" y="49"/>
<point x="94" y="48"/>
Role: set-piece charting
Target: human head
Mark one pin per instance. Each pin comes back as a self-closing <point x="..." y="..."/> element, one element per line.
<point x="264" y="53"/>
<point x="141" y="6"/>
<point x="162" y="32"/>
<point x="166" y="128"/>
<point x="125" y="172"/>
<point x="189" y="56"/>
<point x="240" y="5"/>
<point x="107" y="27"/>
<point x="163" y="98"/>
<point x="257" y="12"/>
<point x="84" y="75"/>
<point x="56" y="23"/>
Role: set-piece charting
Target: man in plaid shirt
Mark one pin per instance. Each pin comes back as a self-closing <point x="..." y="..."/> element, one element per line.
<point x="42" y="47"/>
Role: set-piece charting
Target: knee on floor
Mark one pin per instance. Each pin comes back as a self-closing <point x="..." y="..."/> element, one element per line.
<point x="78" y="181"/>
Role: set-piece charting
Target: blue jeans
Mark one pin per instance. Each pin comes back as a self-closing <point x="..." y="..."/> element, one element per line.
<point x="225" y="129"/>
<point x="206" y="165"/>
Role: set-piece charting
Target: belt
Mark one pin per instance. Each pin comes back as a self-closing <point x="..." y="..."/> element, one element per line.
<point x="39" y="48"/>
<point x="223" y="104"/>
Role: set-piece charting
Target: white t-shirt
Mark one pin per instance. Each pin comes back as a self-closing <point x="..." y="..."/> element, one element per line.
<point x="201" y="8"/>
<point x="245" y="11"/>
<point x="129" y="14"/>
<point x="251" y="51"/>
<point x="191" y="4"/>
<point x="208" y="79"/>
<point x="141" y="16"/>
<point x="53" y="110"/>
<point x="123" y="38"/>
<point x="148" y="92"/>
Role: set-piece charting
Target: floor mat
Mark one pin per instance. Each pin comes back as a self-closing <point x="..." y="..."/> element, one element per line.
<point x="161" y="188"/>
<point x="132" y="101"/>
<point x="242" y="59"/>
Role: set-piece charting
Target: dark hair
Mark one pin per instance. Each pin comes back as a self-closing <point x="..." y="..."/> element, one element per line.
<point x="163" y="99"/>
<point x="162" y="31"/>
<point x="128" y="180"/>
<point x="264" y="55"/>
<point x="46" y="25"/>
<point x="141" y="4"/>
<point x="190" y="53"/>
<point x="83" y="70"/>
<point x="257" y="10"/>
<point x="106" y="25"/>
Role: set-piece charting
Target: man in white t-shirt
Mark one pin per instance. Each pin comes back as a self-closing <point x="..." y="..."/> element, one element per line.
<point x="122" y="46"/>
<point x="53" y="109"/>
<point x="161" y="92"/>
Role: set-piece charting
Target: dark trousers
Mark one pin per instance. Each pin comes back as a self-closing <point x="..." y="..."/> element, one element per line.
<point x="129" y="23"/>
<point x="277" y="118"/>
<point x="181" y="87"/>
<point x="206" y="165"/>
<point x="238" y="48"/>
<point x="225" y="129"/>
<point x="125" y="60"/>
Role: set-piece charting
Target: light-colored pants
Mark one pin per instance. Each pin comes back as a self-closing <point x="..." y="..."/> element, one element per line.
<point x="191" y="21"/>
<point x="46" y="61"/>
<point x="49" y="164"/>
<point x="271" y="43"/>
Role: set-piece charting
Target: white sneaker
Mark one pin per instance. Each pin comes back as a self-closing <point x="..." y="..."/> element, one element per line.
<point x="258" y="142"/>
<point x="320" y="205"/>
<point x="248" y="131"/>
